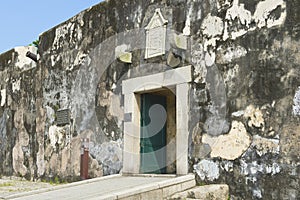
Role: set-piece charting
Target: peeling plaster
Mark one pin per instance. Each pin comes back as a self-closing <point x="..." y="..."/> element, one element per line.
<point x="263" y="10"/>
<point x="261" y="18"/>
<point x="110" y="154"/>
<point x="230" y="74"/>
<point x="257" y="193"/>
<point x="21" y="142"/>
<point x="264" y="145"/>
<point x="61" y="32"/>
<point x="50" y="114"/>
<point x="223" y="4"/>
<point x="227" y="166"/>
<point x="18" y="160"/>
<point x="56" y="135"/>
<point x="253" y="169"/>
<point x="207" y="169"/>
<point x="238" y="113"/>
<point x="238" y="11"/>
<point x="244" y="17"/>
<point x="226" y="55"/>
<point x="79" y="60"/>
<point x="23" y="62"/>
<point x="210" y="58"/>
<point x="16" y="85"/>
<point x="256" y="117"/>
<point x="230" y="146"/>
<point x="212" y="26"/>
<point x="40" y="162"/>
<point x="187" y="29"/>
<point x="296" y="105"/>
<point x="3" y="97"/>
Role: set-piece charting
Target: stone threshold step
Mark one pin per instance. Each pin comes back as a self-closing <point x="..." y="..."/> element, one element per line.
<point x="158" y="190"/>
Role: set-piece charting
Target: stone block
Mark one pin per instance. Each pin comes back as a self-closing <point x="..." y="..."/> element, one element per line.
<point x="130" y="158"/>
<point x="125" y="57"/>
<point x="131" y="143"/>
<point x="180" y="41"/>
<point x="134" y="197"/>
<point x="188" y="185"/>
<point x="177" y="76"/>
<point x="173" y="60"/>
<point x="128" y="103"/>
<point x="137" y="191"/>
<point x="155" y="194"/>
<point x="168" y="191"/>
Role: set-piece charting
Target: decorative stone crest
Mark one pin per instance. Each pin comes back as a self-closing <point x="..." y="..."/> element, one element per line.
<point x="156" y="35"/>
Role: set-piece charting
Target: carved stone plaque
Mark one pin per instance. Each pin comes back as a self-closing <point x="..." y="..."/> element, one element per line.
<point x="156" y="35"/>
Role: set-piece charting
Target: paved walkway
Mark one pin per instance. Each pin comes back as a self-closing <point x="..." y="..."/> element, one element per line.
<point x="15" y="185"/>
<point x="100" y="188"/>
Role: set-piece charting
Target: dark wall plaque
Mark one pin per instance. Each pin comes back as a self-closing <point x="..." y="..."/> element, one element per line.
<point x="63" y="117"/>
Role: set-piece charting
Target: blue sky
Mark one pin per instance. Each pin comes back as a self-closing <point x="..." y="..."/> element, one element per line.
<point x="22" y="21"/>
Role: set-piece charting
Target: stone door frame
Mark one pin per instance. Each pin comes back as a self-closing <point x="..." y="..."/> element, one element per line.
<point x="131" y="89"/>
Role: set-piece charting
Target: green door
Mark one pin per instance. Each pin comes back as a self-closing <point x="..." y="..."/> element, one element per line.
<point x="153" y="134"/>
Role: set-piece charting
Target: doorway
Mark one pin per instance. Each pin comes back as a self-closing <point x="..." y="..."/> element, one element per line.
<point x="168" y="149"/>
<point x="153" y="133"/>
<point x="158" y="132"/>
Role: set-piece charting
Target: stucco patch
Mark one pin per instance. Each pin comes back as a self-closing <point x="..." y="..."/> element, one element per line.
<point x="263" y="10"/>
<point x="187" y="29"/>
<point x="60" y="34"/>
<point x="255" y="117"/>
<point x="3" y="97"/>
<point x="56" y="135"/>
<point x="23" y="62"/>
<point x="109" y="154"/>
<point x="207" y="169"/>
<point x="265" y="145"/>
<point x="230" y="146"/>
<point x="21" y="145"/>
<point x="223" y="4"/>
<point x="253" y="168"/>
<point x="262" y="17"/>
<point x="18" y="160"/>
<point x="296" y="106"/>
<point x="237" y="11"/>
<point x="212" y="26"/>
<point x="226" y="55"/>
<point x="16" y="85"/>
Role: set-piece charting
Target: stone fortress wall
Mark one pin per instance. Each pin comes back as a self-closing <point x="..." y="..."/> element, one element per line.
<point x="244" y="96"/>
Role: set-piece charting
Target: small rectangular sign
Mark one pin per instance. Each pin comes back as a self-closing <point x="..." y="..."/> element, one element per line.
<point x="63" y="117"/>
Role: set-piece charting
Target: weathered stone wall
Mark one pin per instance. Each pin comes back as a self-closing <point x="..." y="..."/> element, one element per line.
<point x="244" y="98"/>
<point x="17" y="112"/>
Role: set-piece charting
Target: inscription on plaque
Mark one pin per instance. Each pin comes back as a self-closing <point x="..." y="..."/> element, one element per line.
<point x="63" y="117"/>
<point x="156" y="35"/>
